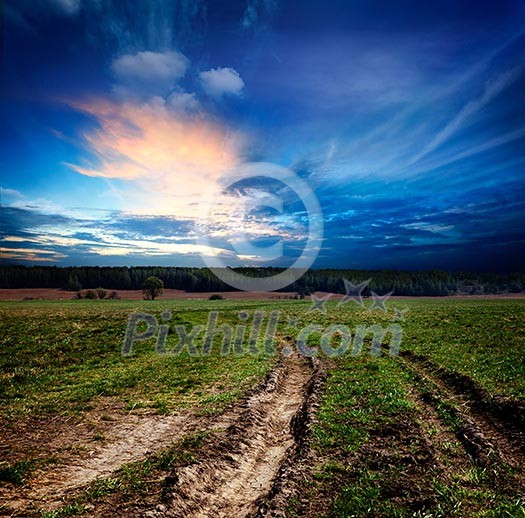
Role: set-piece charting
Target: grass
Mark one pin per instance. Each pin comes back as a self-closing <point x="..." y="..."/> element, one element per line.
<point x="373" y="461"/>
<point x="482" y="339"/>
<point x="62" y="357"/>
<point x="16" y="472"/>
<point x="68" y="510"/>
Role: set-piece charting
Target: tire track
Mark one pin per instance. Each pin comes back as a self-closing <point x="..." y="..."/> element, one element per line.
<point x="491" y="442"/>
<point x="133" y="438"/>
<point x="504" y="410"/>
<point x="237" y="473"/>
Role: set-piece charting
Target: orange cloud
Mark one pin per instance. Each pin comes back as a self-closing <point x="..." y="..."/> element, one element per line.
<point x="165" y="152"/>
<point x="30" y="254"/>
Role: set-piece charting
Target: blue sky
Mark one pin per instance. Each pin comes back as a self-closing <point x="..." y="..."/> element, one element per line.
<point x="406" y="118"/>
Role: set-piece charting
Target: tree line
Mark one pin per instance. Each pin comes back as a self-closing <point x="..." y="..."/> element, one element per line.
<point x="416" y="283"/>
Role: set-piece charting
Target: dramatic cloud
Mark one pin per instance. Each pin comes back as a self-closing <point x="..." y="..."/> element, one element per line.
<point x="407" y="121"/>
<point x="221" y="81"/>
<point x="175" y="157"/>
<point x="148" y="72"/>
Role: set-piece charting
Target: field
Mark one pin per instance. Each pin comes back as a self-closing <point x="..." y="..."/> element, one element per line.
<point x="257" y="429"/>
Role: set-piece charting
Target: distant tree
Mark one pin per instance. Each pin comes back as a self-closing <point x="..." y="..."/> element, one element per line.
<point x="152" y="287"/>
<point x="73" y="284"/>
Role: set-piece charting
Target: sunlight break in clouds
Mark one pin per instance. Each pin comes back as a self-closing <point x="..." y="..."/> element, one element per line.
<point x="169" y="159"/>
<point x="31" y="254"/>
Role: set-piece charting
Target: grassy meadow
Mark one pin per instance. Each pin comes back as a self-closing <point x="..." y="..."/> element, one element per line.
<point x="386" y="444"/>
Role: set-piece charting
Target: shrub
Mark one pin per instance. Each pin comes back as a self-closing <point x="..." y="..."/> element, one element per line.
<point x="90" y="294"/>
<point x="113" y="295"/>
<point x="215" y="296"/>
<point x="101" y="293"/>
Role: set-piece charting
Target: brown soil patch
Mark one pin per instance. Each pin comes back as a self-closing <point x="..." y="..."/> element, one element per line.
<point x="239" y="471"/>
<point x="236" y="469"/>
<point x="55" y="294"/>
<point x="169" y="294"/>
<point x="82" y="449"/>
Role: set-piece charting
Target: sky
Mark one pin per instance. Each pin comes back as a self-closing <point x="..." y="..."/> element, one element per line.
<point x="124" y="125"/>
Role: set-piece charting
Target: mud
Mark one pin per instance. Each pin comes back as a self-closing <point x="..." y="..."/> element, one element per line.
<point x="238" y="471"/>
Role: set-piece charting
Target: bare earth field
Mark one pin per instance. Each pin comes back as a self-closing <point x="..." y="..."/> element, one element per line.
<point x="437" y="430"/>
<point x="56" y="294"/>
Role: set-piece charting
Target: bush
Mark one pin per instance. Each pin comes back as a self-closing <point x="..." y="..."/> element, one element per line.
<point x="90" y="294"/>
<point x="101" y="293"/>
<point x="113" y="295"/>
<point x="78" y="295"/>
<point x="215" y="296"/>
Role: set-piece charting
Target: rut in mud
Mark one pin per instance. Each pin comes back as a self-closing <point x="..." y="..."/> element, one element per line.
<point x="508" y="412"/>
<point x="492" y="440"/>
<point x="237" y="473"/>
<point x="257" y="433"/>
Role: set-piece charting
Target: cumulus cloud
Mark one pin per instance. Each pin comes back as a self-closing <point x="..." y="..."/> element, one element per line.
<point x="183" y="102"/>
<point x="221" y="81"/>
<point x="148" y="73"/>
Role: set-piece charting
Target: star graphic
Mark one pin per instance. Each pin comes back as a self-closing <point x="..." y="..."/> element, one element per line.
<point x="353" y="292"/>
<point x="399" y="314"/>
<point x="379" y="301"/>
<point x="318" y="303"/>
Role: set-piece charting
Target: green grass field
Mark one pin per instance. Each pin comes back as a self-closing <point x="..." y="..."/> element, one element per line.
<point x="387" y="428"/>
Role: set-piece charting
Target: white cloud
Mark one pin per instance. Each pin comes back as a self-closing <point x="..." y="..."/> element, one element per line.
<point x="9" y="194"/>
<point x="183" y="102"/>
<point x="221" y="81"/>
<point x="148" y="72"/>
